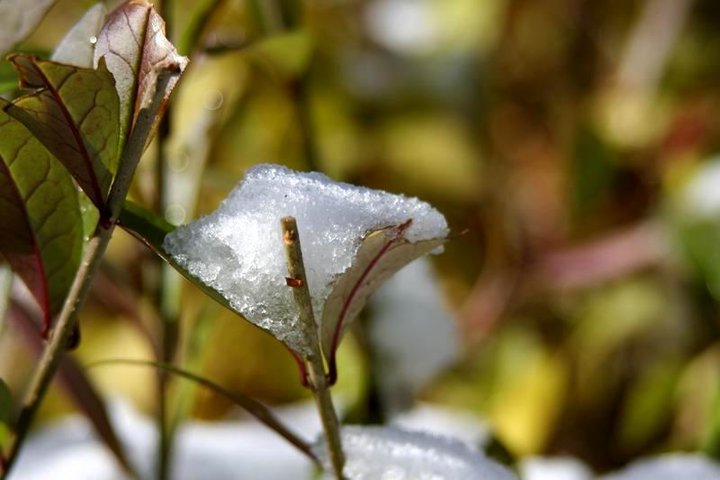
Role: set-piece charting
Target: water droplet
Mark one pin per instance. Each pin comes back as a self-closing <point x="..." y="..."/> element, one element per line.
<point x="213" y="100"/>
<point x="93" y="40"/>
<point x="175" y="214"/>
<point x="180" y="163"/>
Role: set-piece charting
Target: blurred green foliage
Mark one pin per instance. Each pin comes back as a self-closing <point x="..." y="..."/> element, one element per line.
<point x="560" y="136"/>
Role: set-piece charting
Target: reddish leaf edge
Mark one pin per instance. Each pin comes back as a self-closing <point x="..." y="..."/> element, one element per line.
<point x="96" y="195"/>
<point x="44" y="301"/>
<point x="398" y="237"/>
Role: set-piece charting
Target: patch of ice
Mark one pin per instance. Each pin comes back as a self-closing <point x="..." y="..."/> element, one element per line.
<point x="389" y="453"/>
<point x="670" y="467"/>
<point x="238" y="250"/>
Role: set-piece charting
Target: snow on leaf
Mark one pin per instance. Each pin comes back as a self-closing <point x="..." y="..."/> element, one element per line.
<point x="389" y="452"/>
<point x="352" y="237"/>
<point x="74" y="113"/>
<point x="136" y="51"/>
<point x="41" y="231"/>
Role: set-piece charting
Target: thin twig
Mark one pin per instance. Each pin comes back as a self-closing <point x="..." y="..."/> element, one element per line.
<point x="253" y="407"/>
<point x="167" y="307"/>
<point x="314" y="362"/>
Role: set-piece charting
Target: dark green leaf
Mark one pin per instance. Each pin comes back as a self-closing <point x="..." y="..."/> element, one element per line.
<point x="75" y="114"/>
<point x="8" y="77"/>
<point x="41" y="231"/>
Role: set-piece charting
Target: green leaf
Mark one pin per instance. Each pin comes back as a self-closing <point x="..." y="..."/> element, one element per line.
<point x="18" y="19"/>
<point x="78" y="46"/>
<point x="136" y="51"/>
<point x="6" y="403"/>
<point x="41" y="228"/>
<point x="8" y="77"/>
<point x="4" y="436"/>
<point x="381" y="254"/>
<point x="75" y="115"/>
<point x="250" y="405"/>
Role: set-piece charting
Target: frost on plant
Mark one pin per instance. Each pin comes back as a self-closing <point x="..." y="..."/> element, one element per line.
<point x="352" y="239"/>
<point x="388" y="452"/>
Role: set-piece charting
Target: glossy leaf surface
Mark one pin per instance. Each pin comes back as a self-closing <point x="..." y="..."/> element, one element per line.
<point x="78" y="46"/>
<point x="75" y="115"/>
<point x="41" y="231"/>
<point x="136" y="51"/>
<point x="381" y="254"/>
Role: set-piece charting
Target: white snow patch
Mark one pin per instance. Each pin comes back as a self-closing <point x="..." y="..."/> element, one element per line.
<point x="238" y="249"/>
<point x="388" y="453"/>
<point x="554" y="468"/>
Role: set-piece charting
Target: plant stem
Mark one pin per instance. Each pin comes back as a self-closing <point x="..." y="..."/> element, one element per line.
<point x="314" y="361"/>
<point x="92" y="256"/>
<point x="50" y="360"/>
<point x="167" y="297"/>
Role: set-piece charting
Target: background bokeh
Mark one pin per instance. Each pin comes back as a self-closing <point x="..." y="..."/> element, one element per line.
<point x="571" y="145"/>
